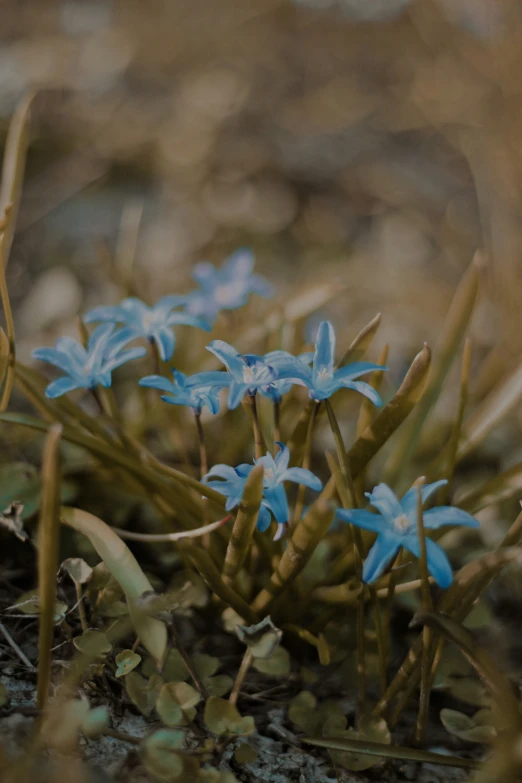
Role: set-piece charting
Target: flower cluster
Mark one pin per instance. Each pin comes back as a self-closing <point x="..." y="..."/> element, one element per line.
<point x="272" y="376"/>
<point x="276" y="472"/>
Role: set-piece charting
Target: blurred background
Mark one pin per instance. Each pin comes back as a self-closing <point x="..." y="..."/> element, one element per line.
<point x="377" y="142"/>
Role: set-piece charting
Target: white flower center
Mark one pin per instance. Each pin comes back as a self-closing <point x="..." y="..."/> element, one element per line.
<point x="401" y="524"/>
<point x="225" y="292"/>
<point x="324" y="375"/>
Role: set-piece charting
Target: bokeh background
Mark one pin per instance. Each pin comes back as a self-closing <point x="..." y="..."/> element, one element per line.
<point x="375" y="142"/>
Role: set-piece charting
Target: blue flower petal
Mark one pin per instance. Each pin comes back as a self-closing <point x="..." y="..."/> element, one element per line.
<point x="167" y="303"/>
<point x="59" y="359"/>
<point x="124" y="356"/>
<point x="187" y="319"/>
<point x="61" y="386"/>
<point x="73" y="349"/>
<point x="205" y="274"/>
<point x="229" y="356"/>
<point x="352" y="371"/>
<point x="363" y="519"/>
<point x="216" y="378"/>
<point x="236" y="393"/>
<point x="223" y="471"/>
<point x="166" y="342"/>
<point x="385" y="501"/>
<point x="409" y="500"/>
<point x="239" y="264"/>
<point x="157" y="382"/>
<point x="277" y="501"/>
<point x="107" y="313"/>
<point x="438" y="564"/>
<point x="323" y="361"/>
<point x="441" y="516"/>
<point x="264" y="519"/>
<point x="382" y="552"/>
<point x="302" y="476"/>
<point x="282" y="458"/>
<point x="365" y="389"/>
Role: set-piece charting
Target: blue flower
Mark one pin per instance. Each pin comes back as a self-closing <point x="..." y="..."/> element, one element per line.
<point x="196" y="397"/>
<point x="87" y="368"/>
<point x="396" y="525"/>
<point x="323" y="379"/>
<point x="276" y="472"/>
<point x="226" y="288"/>
<point x="153" y="323"/>
<point x="281" y="360"/>
<point x="246" y="373"/>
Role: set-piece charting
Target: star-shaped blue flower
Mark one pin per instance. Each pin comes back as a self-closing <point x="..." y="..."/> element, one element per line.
<point x="247" y="373"/>
<point x="396" y="525"/>
<point x="227" y="288"/>
<point x="323" y="380"/>
<point x="152" y="323"/>
<point x="276" y="472"/>
<point x="196" y="397"/>
<point x="87" y="368"/>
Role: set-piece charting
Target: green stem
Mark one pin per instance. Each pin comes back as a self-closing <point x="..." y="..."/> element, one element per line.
<point x="424" y="700"/>
<point x="203" y="461"/>
<point x="307" y="456"/>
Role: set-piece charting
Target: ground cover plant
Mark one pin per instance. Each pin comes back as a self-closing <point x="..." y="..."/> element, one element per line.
<point x="284" y="512"/>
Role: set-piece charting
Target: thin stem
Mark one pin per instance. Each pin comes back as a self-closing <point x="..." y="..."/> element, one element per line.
<point x="203" y="461"/>
<point x="155" y="358"/>
<point x="8" y="313"/>
<point x="156" y="538"/>
<point x="186" y="660"/>
<point x="307" y="456"/>
<point x="249" y="403"/>
<point x="424" y="701"/>
<point x="359" y="558"/>
<point x="11" y="642"/>
<point x="277" y="421"/>
<point x="81" y="607"/>
<point x="243" y="669"/>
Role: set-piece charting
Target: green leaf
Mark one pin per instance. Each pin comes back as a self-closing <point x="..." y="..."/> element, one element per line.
<point x="261" y="639"/>
<point x="302" y="712"/>
<point x="93" y="643"/>
<point x="126" y="661"/>
<point x="277" y="665"/>
<point x="479" y="728"/>
<point x="79" y="571"/>
<point x="162" y="757"/>
<point x="222" y="717"/>
<point x="176" y="702"/>
<point x="143" y="693"/>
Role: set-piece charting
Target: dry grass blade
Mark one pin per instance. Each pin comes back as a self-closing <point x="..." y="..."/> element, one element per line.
<point x="4" y="355"/>
<point x="470" y="582"/>
<point x="453" y="445"/>
<point x="13" y="168"/>
<point x="209" y="572"/>
<point x="48" y="548"/>
<point x="499" y="488"/>
<point x="6" y="304"/>
<point x="498" y="404"/>
<point x="479" y="659"/>
<point x="244" y="525"/>
<point x="453" y="332"/>
<point x="389" y="751"/>
<point x="124" y="567"/>
<point x="392" y="415"/>
<point x="307" y="534"/>
<point x="361" y="342"/>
